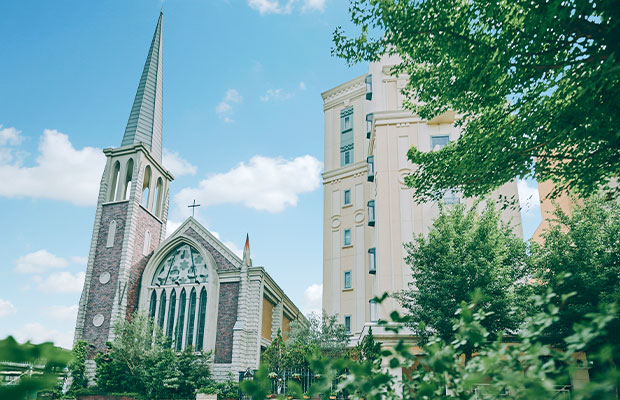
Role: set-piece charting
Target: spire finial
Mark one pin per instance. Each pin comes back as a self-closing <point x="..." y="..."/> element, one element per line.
<point x="246" y="251"/>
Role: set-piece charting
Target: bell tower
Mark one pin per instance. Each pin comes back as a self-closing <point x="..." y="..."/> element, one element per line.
<point x="132" y="210"/>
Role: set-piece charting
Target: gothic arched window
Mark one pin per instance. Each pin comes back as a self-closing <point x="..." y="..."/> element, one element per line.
<point x="202" y="309"/>
<point x="128" y="179"/>
<point x="181" y="321"/>
<point x="183" y="275"/>
<point x="171" y="312"/>
<point x="156" y="209"/>
<point x="191" y="313"/>
<point x="116" y="172"/>
<point x="146" y="187"/>
<point x="153" y="305"/>
<point x="162" y="310"/>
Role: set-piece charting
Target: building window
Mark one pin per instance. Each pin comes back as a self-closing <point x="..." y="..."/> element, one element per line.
<point x="111" y="234"/>
<point x="146" y="187"/>
<point x="373" y="310"/>
<point x="372" y="260"/>
<point x="368" y="87"/>
<point x="128" y="180"/>
<point x="156" y="208"/>
<point x="347" y="279"/>
<point x="437" y="142"/>
<point x="347" y="323"/>
<point x="171" y="314"/>
<point x="371" y="213"/>
<point x="190" y="318"/>
<point x="371" y="168"/>
<point x="368" y="125"/>
<point x="152" y="305"/>
<point x="347" y="237"/>
<point x="116" y="173"/>
<point x="162" y="310"/>
<point x="347" y="197"/>
<point x="146" y="247"/>
<point x="181" y="321"/>
<point x="346" y="136"/>
<point x="202" y="308"/>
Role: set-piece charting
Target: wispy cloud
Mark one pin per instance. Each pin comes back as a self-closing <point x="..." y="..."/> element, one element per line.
<point x="61" y="282"/>
<point x="225" y="108"/>
<point x="10" y="136"/>
<point x="177" y="165"/>
<point x="264" y="183"/>
<point x="39" y="333"/>
<point x="302" y="85"/>
<point x="312" y="300"/>
<point x="6" y="308"/>
<point x="265" y="7"/>
<point x="38" y="262"/>
<point x="276" y="94"/>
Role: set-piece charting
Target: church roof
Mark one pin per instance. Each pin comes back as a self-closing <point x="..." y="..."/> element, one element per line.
<point x="145" y="120"/>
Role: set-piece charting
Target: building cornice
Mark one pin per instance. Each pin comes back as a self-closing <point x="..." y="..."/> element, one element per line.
<point x="120" y="151"/>
<point x="344" y="172"/>
<point x="353" y="88"/>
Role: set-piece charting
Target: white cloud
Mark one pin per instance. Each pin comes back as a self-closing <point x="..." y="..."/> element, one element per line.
<point x="177" y="165"/>
<point x="172" y="226"/>
<point x="39" y="262"/>
<point x="9" y="136"/>
<point x="264" y="183"/>
<point x="281" y="7"/>
<point x="302" y="85"/>
<point x="79" y="260"/>
<point x="64" y="314"/>
<point x="224" y="109"/>
<point x="266" y="6"/>
<point x="61" y="171"/>
<point x="6" y="308"/>
<point x="276" y="94"/>
<point x="61" y="282"/>
<point x="38" y="333"/>
<point x="312" y="301"/>
<point x="529" y="199"/>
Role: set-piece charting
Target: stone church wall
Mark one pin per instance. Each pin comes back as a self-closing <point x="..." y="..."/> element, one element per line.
<point x="226" y="318"/>
<point x="107" y="259"/>
<point x="145" y="221"/>
<point x="222" y="264"/>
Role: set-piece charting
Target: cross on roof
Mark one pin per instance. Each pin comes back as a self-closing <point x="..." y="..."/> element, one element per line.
<point x="193" y="207"/>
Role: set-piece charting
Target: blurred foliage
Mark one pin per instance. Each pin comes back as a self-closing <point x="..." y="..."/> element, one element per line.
<point x="43" y="364"/>
<point x="534" y="84"/>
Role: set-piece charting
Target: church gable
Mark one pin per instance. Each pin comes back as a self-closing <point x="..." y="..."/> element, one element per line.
<point x="225" y="259"/>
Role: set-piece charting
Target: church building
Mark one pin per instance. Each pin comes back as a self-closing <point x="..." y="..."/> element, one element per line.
<point x="193" y="287"/>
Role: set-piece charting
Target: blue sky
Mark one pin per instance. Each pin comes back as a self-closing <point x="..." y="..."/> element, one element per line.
<point x="243" y="133"/>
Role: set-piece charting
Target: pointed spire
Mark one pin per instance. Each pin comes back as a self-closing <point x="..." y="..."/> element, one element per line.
<point x="145" y="120"/>
<point x="246" y="251"/>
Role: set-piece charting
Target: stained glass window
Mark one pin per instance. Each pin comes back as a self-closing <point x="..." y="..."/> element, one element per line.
<point x="183" y="265"/>
<point x="173" y="305"/>
<point x="162" y="310"/>
<point x="190" y="318"/>
<point x="202" y="309"/>
<point x="153" y="305"/>
<point x="181" y="321"/>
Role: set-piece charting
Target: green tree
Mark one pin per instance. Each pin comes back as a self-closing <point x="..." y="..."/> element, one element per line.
<point x="585" y="244"/>
<point x="324" y="333"/>
<point x="370" y="350"/>
<point x="275" y="354"/>
<point x="464" y="253"/>
<point x="77" y="367"/>
<point x="141" y="360"/>
<point x="534" y="85"/>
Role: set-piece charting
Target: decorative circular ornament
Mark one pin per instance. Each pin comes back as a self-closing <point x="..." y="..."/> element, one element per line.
<point x="98" y="320"/>
<point x="359" y="217"/>
<point x="335" y="223"/>
<point x="104" y="278"/>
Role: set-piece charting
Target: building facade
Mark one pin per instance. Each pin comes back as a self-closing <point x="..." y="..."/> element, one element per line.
<point x="368" y="210"/>
<point x="196" y="290"/>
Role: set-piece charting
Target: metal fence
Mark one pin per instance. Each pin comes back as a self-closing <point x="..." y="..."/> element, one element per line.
<point x="281" y="381"/>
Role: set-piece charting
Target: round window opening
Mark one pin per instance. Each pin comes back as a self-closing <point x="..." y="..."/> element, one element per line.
<point x="104" y="278"/>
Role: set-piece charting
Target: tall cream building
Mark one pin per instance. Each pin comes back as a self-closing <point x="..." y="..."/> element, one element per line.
<point x="368" y="211"/>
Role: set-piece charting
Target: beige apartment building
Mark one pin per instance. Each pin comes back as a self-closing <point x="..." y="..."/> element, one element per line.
<point x="368" y="211"/>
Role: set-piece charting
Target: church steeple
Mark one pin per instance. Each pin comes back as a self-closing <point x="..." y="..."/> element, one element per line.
<point x="246" y="252"/>
<point x="145" y="120"/>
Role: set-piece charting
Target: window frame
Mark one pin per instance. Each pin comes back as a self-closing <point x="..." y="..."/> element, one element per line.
<point x="348" y="329"/>
<point x="344" y="240"/>
<point x="350" y="276"/>
<point x="344" y="198"/>
<point x="440" y="145"/>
